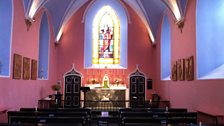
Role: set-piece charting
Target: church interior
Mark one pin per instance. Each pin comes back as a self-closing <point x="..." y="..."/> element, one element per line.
<point x="111" y="62"/>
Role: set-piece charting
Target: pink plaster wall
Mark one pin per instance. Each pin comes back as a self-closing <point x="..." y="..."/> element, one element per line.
<point x="71" y="49"/>
<point x="194" y="95"/>
<point x="26" y="93"/>
<point x="205" y="95"/>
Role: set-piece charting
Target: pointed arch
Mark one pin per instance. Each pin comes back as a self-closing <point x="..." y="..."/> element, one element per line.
<point x="165" y="49"/>
<point x="44" y="44"/>
<point x="106" y="42"/>
<point x="6" y="23"/>
<point x="90" y="46"/>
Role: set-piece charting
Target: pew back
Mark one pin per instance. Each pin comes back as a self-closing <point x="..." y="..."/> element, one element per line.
<point x="29" y="115"/>
<point x="156" y="116"/>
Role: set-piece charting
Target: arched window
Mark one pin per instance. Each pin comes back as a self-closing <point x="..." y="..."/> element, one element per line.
<point x="6" y="15"/>
<point x="44" y="39"/>
<point x="210" y="39"/>
<point x="106" y="35"/>
<point x="165" y="49"/>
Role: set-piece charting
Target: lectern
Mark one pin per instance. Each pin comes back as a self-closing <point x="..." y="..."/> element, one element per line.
<point x="84" y="89"/>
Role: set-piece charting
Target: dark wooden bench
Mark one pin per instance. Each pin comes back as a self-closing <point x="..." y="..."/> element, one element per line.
<point x="154" y="109"/>
<point x="36" y="117"/>
<point x="21" y="117"/>
<point x="141" y="117"/>
<point x="182" y="117"/>
<point x="55" y="120"/>
<point x="74" y="111"/>
<point x="13" y="124"/>
<point x="57" y="109"/>
<point x="156" y="116"/>
<point x="141" y="120"/>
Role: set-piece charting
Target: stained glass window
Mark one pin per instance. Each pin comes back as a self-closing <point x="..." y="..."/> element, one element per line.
<point x="106" y="37"/>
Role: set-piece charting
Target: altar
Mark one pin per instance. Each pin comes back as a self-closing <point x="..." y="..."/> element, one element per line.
<point x="112" y="97"/>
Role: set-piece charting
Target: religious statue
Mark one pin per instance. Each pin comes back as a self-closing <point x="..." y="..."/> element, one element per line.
<point x="105" y="83"/>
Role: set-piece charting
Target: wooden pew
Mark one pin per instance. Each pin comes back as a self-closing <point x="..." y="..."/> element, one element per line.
<point x="57" y="109"/>
<point x="29" y="115"/>
<point x="21" y="117"/>
<point x="79" y="121"/>
<point x="184" y="118"/>
<point x="154" y="109"/>
<point x="127" y="118"/>
<point x="75" y="111"/>
<point x="156" y="116"/>
<point x="140" y="120"/>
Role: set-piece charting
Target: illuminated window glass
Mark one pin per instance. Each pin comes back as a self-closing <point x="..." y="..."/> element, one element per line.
<point x="209" y="39"/>
<point x="165" y="49"/>
<point x="106" y="37"/>
<point x="6" y="15"/>
<point x="44" y="48"/>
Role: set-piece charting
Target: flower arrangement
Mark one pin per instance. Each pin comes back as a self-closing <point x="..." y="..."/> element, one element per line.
<point x="56" y="87"/>
<point x="117" y="81"/>
<point x="94" y="81"/>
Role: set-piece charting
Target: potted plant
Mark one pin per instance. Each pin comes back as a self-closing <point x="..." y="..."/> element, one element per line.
<point x="56" y="88"/>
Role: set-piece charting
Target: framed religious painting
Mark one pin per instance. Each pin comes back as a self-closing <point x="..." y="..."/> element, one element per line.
<point x="189" y="68"/>
<point x="26" y="68"/>
<point x="180" y="69"/>
<point x="33" y="69"/>
<point x="17" y="66"/>
<point x="174" y="71"/>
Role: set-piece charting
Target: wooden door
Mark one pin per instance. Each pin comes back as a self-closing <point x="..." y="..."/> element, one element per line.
<point x="137" y="90"/>
<point x="72" y="89"/>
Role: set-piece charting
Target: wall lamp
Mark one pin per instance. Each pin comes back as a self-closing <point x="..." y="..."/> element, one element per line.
<point x="180" y="24"/>
<point x="29" y="22"/>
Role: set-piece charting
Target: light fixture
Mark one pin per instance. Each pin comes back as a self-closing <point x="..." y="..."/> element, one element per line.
<point x="29" y="22"/>
<point x="180" y="24"/>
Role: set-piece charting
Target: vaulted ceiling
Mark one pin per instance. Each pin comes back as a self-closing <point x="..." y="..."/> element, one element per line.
<point x="150" y="11"/>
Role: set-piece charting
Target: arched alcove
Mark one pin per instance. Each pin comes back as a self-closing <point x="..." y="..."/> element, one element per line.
<point x="89" y="24"/>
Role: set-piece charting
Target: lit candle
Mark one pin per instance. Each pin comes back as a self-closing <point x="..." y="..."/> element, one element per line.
<point x="167" y="108"/>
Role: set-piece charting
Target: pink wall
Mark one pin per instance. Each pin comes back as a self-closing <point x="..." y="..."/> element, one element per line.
<point x="194" y="95"/>
<point x="71" y="49"/>
<point x="197" y="94"/>
<point x="26" y="93"/>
